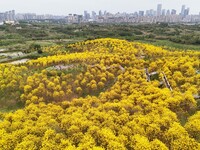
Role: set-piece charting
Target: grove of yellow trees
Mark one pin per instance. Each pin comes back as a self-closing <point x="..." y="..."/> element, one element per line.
<point x="96" y="96"/>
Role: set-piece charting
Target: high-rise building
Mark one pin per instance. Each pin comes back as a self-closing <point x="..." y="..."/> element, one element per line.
<point x="2" y="17"/>
<point x="154" y="13"/>
<point x="94" y="15"/>
<point x="135" y="14"/>
<point x="163" y="12"/>
<point x="10" y="16"/>
<point x="13" y="14"/>
<point x="173" y="12"/>
<point x="100" y="13"/>
<point x="182" y="10"/>
<point x="186" y="12"/>
<point x="151" y="12"/>
<point x="141" y="13"/>
<point x="86" y="15"/>
<point x="168" y="12"/>
<point x="80" y="18"/>
<point x="159" y="9"/>
<point x="147" y="12"/>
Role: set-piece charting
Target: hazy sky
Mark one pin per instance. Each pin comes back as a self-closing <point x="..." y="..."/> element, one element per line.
<point x="64" y="7"/>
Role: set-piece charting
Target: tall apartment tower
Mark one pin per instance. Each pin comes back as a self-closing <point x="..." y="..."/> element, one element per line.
<point x="182" y="10"/>
<point x="163" y="12"/>
<point x="168" y="12"/>
<point x="159" y="9"/>
<point x="173" y="12"/>
<point x="86" y="15"/>
<point x="186" y="12"/>
<point x="100" y="13"/>
<point x="13" y="15"/>
<point x="94" y="15"/>
<point x="141" y="13"/>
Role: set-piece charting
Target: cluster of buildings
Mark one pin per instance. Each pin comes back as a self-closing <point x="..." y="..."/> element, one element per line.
<point x="8" y="16"/>
<point x="148" y="16"/>
<point x="33" y="16"/>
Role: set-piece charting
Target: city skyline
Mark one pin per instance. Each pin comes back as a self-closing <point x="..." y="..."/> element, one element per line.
<point x="66" y="7"/>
